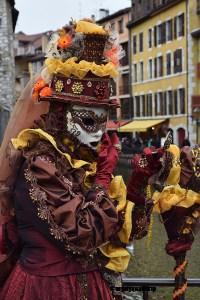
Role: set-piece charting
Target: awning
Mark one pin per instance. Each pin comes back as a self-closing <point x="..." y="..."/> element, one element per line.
<point x="114" y="125"/>
<point x="139" y="125"/>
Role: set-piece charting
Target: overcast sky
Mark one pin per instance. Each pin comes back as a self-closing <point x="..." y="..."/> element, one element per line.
<point x="41" y="15"/>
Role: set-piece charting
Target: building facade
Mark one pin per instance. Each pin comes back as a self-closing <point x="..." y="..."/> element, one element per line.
<point x="194" y="66"/>
<point x="29" y="57"/>
<point x="161" y="65"/>
<point x="121" y="87"/>
<point x="8" y="18"/>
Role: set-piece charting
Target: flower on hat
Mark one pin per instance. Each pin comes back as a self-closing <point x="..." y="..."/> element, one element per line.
<point x="64" y="41"/>
<point x="46" y="92"/>
<point x="39" y="85"/>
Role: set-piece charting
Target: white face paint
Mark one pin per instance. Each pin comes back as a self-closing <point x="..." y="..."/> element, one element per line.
<point x="87" y="124"/>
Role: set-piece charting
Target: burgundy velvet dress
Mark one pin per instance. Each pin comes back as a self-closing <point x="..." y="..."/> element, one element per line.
<point x="59" y="223"/>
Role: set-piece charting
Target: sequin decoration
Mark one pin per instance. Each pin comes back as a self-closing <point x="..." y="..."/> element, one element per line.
<point x="89" y="84"/>
<point x="77" y="88"/>
<point x="59" y="85"/>
<point x="196" y="161"/>
<point x="100" y="90"/>
<point x="143" y="163"/>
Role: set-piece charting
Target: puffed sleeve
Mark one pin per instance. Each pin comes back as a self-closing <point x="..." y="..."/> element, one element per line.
<point x="79" y="222"/>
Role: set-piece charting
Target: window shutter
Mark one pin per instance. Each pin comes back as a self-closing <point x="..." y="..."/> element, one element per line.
<point x="182" y="25"/>
<point x="155" y="67"/>
<point x="155" y="36"/>
<point x="165" y="103"/>
<point x="171" y="30"/>
<point x="161" y="66"/>
<point x="175" y="61"/>
<point x="175" y="103"/>
<point x="156" y="104"/>
<point x="179" y="60"/>
<point x="175" y="27"/>
<point x="163" y="33"/>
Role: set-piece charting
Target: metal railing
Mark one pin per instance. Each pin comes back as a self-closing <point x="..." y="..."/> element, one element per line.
<point x="147" y="285"/>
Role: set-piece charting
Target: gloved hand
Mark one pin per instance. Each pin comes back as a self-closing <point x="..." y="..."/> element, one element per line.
<point x="144" y="166"/>
<point x="107" y="159"/>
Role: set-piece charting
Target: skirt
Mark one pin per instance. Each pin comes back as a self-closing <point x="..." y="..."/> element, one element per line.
<point x="24" y="286"/>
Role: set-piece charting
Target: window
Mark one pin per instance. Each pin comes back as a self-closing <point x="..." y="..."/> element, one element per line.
<point x="0" y="58"/>
<point x="150" y="68"/>
<point x="169" y="30"/>
<point x="124" y="60"/>
<point x="182" y="100"/>
<point x="178" y="61"/>
<point x="121" y="26"/>
<point x="137" y="106"/>
<point x="0" y="22"/>
<point x="125" y="109"/>
<point x="168" y="63"/>
<point x="141" y="71"/>
<point x="134" y="44"/>
<point x="159" y="34"/>
<point x="175" y="27"/>
<point x="170" y="102"/>
<point x="149" y="105"/>
<point x="143" y="102"/>
<point x="112" y="26"/>
<point x="124" y="88"/>
<point x="112" y="114"/>
<point x="163" y="37"/>
<point x="155" y="36"/>
<point x="180" y="25"/>
<point x="175" y="103"/>
<point x="150" y="36"/>
<point x="135" y="72"/>
<point x="164" y="104"/>
<point x="141" y="42"/>
<point x="155" y="67"/>
<point x="160" y="66"/>
<point x="158" y="101"/>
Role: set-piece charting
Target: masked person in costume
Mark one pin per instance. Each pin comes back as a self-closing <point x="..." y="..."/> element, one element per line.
<point x="65" y="220"/>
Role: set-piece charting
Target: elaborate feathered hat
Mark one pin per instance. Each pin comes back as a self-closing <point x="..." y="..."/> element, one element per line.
<point x="81" y="60"/>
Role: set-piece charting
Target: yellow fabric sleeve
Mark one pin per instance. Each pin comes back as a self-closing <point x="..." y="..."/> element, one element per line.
<point x="174" y="196"/>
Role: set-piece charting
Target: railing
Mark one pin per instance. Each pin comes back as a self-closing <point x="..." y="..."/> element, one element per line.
<point x="146" y="285"/>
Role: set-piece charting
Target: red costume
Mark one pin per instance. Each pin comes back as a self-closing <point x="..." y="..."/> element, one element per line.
<point x="65" y="219"/>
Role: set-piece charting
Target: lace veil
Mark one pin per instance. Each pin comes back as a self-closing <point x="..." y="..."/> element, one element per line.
<point x="25" y="112"/>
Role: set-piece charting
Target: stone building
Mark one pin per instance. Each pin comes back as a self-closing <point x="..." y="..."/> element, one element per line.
<point x="8" y="18"/>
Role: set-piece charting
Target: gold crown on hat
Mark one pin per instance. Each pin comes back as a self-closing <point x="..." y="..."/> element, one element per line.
<point x="81" y="59"/>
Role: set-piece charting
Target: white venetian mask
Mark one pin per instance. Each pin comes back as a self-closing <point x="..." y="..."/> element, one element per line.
<point x="87" y="124"/>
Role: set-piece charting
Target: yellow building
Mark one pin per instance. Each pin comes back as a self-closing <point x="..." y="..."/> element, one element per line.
<point x="162" y="87"/>
<point x="194" y="66"/>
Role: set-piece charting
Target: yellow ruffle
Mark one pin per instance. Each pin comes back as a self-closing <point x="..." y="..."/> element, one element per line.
<point x="119" y="257"/>
<point x="174" y="196"/>
<point x="28" y="137"/>
<point x="89" y="28"/>
<point x="175" y="171"/>
<point x="79" y="69"/>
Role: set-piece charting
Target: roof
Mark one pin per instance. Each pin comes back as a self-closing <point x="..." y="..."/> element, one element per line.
<point x="153" y="12"/>
<point x="114" y="15"/>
